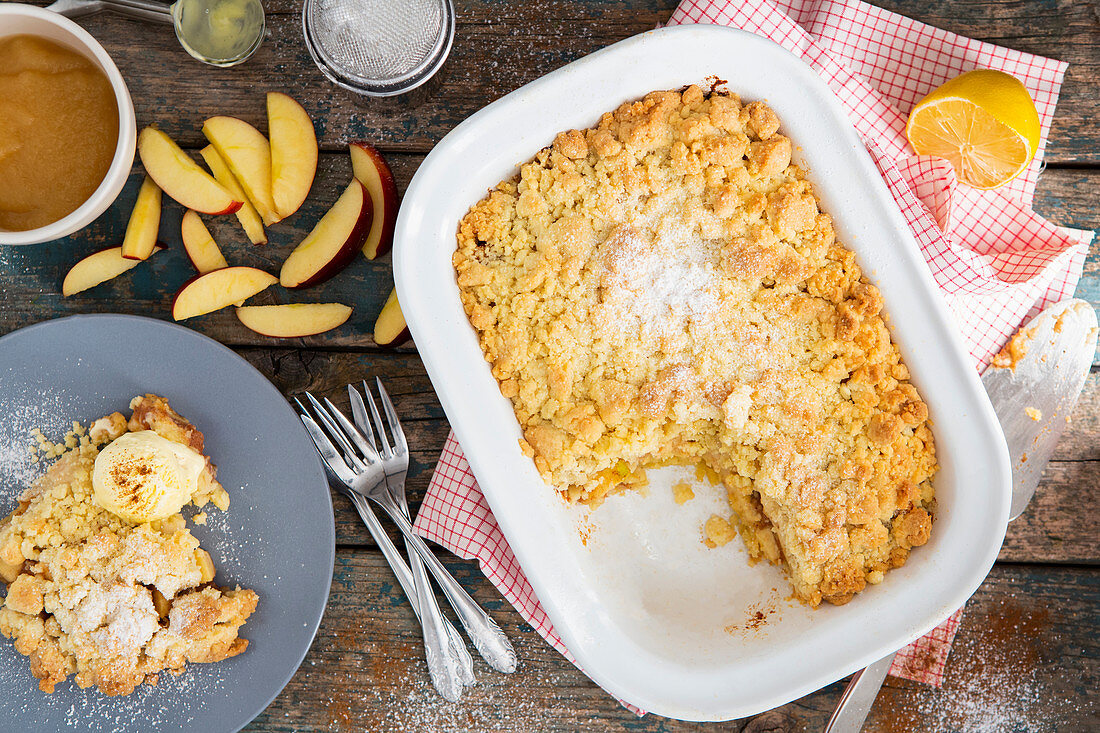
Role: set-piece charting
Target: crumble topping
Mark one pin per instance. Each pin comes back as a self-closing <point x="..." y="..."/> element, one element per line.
<point x="113" y="603"/>
<point x="663" y="288"/>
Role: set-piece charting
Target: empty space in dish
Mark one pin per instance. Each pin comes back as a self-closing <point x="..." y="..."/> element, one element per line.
<point x="628" y="614"/>
<point x="671" y="593"/>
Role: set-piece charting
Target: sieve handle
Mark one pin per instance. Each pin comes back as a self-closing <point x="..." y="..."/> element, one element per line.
<point x="138" y="9"/>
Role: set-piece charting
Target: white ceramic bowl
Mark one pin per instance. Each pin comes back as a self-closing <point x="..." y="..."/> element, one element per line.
<point x="640" y="604"/>
<point x="16" y="19"/>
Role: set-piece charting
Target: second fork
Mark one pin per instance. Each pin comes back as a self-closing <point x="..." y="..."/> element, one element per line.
<point x="487" y="638"/>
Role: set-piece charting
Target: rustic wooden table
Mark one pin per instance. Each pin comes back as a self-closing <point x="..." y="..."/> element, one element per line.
<point x="1026" y="656"/>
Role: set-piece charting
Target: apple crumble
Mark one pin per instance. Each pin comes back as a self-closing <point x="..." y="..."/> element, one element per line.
<point x="110" y="600"/>
<point x="663" y="288"/>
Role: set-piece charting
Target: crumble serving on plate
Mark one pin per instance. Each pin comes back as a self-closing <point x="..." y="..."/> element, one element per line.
<point x="663" y="288"/>
<point x="111" y="601"/>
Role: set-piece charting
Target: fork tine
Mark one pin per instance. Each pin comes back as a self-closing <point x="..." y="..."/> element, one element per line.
<point x="384" y="449"/>
<point x="359" y="413"/>
<point x="333" y="430"/>
<point x="314" y="404"/>
<point x="304" y="410"/>
<point x="369" y="451"/>
<point x="329" y="454"/>
<point x="391" y="417"/>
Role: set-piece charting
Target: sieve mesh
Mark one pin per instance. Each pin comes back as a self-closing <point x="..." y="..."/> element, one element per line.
<point x="378" y="42"/>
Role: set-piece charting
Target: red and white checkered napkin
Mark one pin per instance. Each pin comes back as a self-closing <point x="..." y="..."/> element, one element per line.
<point x="995" y="260"/>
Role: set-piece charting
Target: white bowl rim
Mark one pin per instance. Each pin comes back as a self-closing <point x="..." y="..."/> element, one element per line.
<point x="119" y="170"/>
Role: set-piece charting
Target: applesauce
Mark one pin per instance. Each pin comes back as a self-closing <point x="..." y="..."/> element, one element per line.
<point x="58" y="131"/>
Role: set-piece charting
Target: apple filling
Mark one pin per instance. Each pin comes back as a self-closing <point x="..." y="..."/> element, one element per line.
<point x="664" y="288"/>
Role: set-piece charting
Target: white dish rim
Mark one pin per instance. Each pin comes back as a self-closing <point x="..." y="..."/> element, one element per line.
<point x="428" y="302"/>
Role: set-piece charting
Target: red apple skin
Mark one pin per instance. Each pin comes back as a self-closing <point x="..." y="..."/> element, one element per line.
<point x="346" y="254"/>
<point x="391" y="313"/>
<point x="221" y="129"/>
<point x="230" y="209"/>
<point x="156" y="248"/>
<point x="402" y="337"/>
<point x="183" y="287"/>
<point x="386" y="209"/>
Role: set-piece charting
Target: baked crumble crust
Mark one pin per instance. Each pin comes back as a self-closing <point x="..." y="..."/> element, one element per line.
<point x="663" y="288"/>
<point x="113" y="603"/>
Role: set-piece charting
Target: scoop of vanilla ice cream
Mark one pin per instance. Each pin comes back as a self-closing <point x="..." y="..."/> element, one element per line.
<point x="142" y="477"/>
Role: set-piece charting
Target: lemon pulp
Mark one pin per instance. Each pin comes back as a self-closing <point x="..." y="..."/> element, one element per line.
<point x="983" y="122"/>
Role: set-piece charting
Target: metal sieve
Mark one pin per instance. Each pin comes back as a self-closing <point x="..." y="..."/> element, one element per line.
<point x="378" y="47"/>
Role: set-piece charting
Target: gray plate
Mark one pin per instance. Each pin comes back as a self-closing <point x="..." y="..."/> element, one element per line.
<point x="277" y="537"/>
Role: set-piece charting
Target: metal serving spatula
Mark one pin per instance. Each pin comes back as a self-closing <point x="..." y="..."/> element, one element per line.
<point x="1033" y="399"/>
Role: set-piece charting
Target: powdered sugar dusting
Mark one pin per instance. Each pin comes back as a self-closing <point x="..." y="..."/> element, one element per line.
<point x="17" y="470"/>
<point x="657" y="284"/>
<point x="119" y="619"/>
<point x="158" y="708"/>
<point x="79" y="370"/>
<point x="1010" y="670"/>
<point x="401" y="698"/>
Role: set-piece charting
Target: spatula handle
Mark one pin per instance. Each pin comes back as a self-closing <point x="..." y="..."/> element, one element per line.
<point x="851" y="711"/>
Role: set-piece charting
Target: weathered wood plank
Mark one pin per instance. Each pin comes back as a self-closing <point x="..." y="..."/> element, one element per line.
<point x="31" y="276"/>
<point x="1059" y="29"/>
<point x="1054" y="529"/>
<point x="1019" y="662"/>
<point x="497" y="48"/>
<point x="501" y="46"/>
<point x="1029" y="658"/>
<point x="1068" y="196"/>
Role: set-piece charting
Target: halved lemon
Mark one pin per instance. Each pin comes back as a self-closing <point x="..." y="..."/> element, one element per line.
<point x="983" y="122"/>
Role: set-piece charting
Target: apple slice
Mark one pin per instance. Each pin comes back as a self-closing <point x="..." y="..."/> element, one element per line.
<point x="98" y="268"/>
<point x="371" y="169"/>
<point x="332" y="244"/>
<point x="180" y="177"/>
<point x="219" y="289"/>
<point x="293" y="152"/>
<point x="293" y="320"/>
<point x="144" y="224"/>
<point x="201" y="248"/>
<point x="390" y="329"/>
<point x="247" y="214"/>
<point x="248" y="155"/>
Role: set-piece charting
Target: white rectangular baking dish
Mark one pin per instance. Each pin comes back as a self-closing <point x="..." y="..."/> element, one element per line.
<point x="659" y="622"/>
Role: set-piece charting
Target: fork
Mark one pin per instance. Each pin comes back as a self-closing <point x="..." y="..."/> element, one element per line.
<point x="487" y="638"/>
<point x="448" y="670"/>
<point x="397" y="563"/>
<point x="396" y="466"/>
